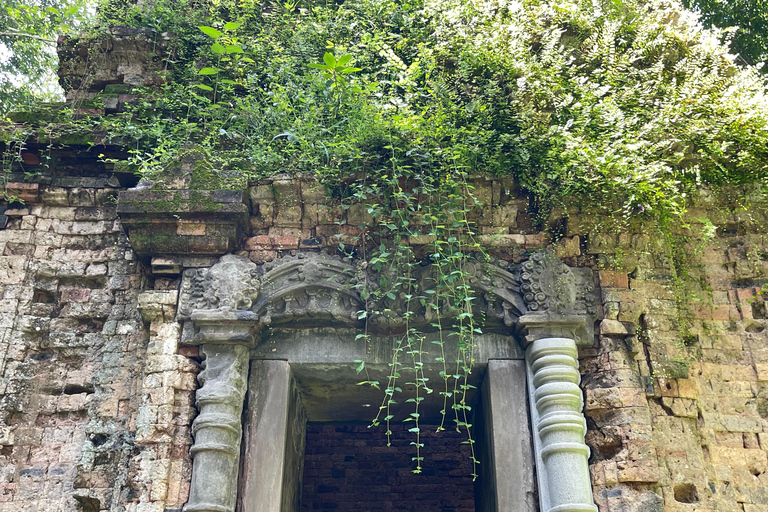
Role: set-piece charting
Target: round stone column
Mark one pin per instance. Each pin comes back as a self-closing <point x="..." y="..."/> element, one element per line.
<point x="560" y="425"/>
<point x="217" y="429"/>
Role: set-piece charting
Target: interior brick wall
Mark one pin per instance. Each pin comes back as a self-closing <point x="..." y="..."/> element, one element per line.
<point x="350" y="467"/>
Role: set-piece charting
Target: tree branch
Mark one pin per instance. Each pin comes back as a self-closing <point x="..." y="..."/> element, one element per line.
<point x="31" y="36"/>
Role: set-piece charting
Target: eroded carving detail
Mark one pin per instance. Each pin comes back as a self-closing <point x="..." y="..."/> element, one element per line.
<point x="311" y="286"/>
<point x="546" y="283"/>
<point x="236" y="294"/>
<point x="217" y="429"/>
<point x="319" y="289"/>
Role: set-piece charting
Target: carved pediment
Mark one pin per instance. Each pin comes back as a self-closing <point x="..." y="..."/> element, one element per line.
<point x="315" y="290"/>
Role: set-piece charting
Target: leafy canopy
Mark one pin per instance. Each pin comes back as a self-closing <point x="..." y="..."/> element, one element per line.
<point x="748" y="17"/>
<point x="28" y="33"/>
<point x="629" y="106"/>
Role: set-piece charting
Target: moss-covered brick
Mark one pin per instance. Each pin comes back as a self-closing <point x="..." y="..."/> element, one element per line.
<point x="117" y="89"/>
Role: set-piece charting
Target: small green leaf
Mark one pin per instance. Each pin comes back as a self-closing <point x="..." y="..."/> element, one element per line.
<point x="343" y="60"/>
<point x="329" y="60"/>
<point x="318" y="66"/>
<point x="231" y="48"/>
<point x="211" y="32"/>
<point x="203" y="87"/>
<point x="217" y="48"/>
<point x="360" y="367"/>
<point x="347" y="71"/>
<point x="232" y="25"/>
<point x="208" y="71"/>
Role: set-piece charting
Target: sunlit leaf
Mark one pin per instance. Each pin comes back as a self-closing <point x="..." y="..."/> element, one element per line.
<point x="211" y="32"/>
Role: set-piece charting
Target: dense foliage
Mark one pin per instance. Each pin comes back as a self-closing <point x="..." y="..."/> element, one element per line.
<point x="628" y="105"/>
<point x="749" y="18"/>
<point x="28" y="32"/>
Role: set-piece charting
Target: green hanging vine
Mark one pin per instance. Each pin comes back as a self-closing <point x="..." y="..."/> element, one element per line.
<point x="444" y="222"/>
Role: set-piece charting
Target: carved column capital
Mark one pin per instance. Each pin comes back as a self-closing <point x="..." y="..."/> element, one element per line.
<point x="532" y="327"/>
<point x="559" y="300"/>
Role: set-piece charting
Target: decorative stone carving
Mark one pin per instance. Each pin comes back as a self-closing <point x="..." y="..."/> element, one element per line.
<point x="309" y="287"/>
<point x="497" y="297"/>
<point x="217" y="429"/>
<point x="235" y="294"/>
<point x="561" y="312"/>
<point x="316" y="289"/>
<point x="222" y="308"/>
<point x="560" y="301"/>
<point x="562" y="455"/>
<point x="548" y="285"/>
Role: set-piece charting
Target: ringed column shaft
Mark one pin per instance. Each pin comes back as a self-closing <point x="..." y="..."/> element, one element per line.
<point x="217" y="429"/>
<point x="559" y="425"/>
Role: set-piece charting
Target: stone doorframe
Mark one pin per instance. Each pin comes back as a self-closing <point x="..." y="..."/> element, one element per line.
<point x="547" y="306"/>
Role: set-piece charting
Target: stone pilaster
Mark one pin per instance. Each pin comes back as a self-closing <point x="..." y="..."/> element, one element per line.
<point x="559" y="425"/>
<point x="217" y="429"/>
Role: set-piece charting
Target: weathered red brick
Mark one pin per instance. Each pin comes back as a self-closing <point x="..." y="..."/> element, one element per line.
<point x="285" y="242"/>
<point x="27" y="192"/>
<point x="613" y="279"/>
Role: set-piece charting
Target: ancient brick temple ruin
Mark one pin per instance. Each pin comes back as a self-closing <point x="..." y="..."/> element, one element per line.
<point x="192" y="349"/>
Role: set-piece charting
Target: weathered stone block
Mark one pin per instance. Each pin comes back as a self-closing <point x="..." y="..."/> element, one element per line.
<point x="288" y="216"/>
<point x="357" y="215"/>
<point x="613" y="327"/>
<point x="505" y="215"/>
<point x="262" y="194"/>
<point x="503" y="240"/>
<point x="314" y="192"/>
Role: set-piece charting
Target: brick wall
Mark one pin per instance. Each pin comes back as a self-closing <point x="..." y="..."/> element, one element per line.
<point x="95" y="405"/>
<point x="349" y="467"/>
<point x="96" y="401"/>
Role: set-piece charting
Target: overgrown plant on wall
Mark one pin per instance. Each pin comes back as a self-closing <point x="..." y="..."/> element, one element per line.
<point x="623" y="109"/>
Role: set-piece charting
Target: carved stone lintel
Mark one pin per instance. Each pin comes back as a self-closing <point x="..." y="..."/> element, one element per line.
<point x="559" y="426"/>
<point x="217" y="429"/>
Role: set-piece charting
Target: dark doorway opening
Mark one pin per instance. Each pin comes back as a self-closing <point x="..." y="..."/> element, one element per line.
<point x="350" y="467"/>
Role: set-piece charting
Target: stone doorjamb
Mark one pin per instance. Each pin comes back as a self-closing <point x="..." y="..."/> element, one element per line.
<point x="223" y="308"/>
